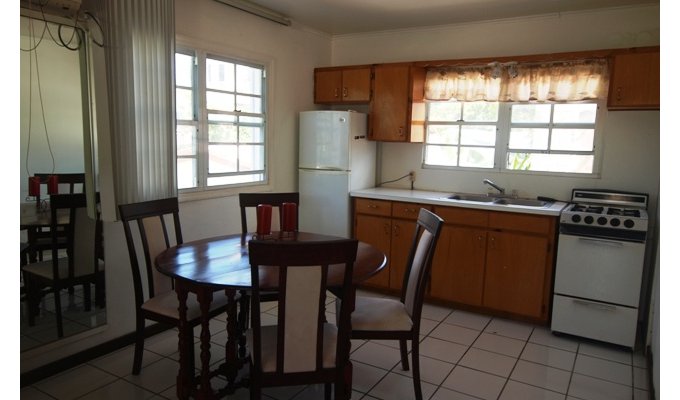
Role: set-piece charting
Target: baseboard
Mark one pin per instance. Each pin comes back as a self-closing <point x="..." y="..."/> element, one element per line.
<point x="47" y="370"/>
<point x="650" y="374"/>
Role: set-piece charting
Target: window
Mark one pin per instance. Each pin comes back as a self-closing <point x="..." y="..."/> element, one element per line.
<point x="221" y="121"/>
<point x="541" y="137"/>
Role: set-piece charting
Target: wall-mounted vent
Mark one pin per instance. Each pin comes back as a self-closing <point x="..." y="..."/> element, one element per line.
<point x="61" y="8"/>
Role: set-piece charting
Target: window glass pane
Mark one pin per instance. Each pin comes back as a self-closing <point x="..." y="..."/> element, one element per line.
<point x="251" y="134"/>
<point x="251" y="158"/>
<point x="531" y="113"/>
<point x="477" y="157"/>
<point x="444" y="111"/>
<point x="235" y="179"/>
<point x="248" y="80"/>
<point x="529" y="138"/>
<point x="441" y="155"/>
<point x="571" y="163"/>
<point x="186" y="140"/>
<point x="184" y="104"/>
<point x="221" y="118"/>
<point x="480" y="111"/>
<point x="219" y="75"/>
<point x="219" y="101"/>
<point x="249" y="104"/>
<point x="442" y="134"/>
<point x="572" y="139"/>
<point x="251" y="120"/>
<point x="575" y="113"/>
<point x="480" y="135"/>
<point x="184" y="70"/>
<point x="222" y="158"/>
<point x="225" y="133"/>
<point x="519" y="161"/>
<point x="186" y="173"/>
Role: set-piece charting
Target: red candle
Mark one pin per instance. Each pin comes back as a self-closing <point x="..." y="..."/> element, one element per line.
<point x="33" y="186"/>
<point x="264" y="219"/>
<point x="289" y="217"/>
<point x="53" y="184"/>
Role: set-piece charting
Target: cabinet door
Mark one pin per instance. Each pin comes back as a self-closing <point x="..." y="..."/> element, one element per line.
<point x="635" y="82"/>
<point x="377" y="231"/>
<point x="328" y="86"/>
<point x="458" y="265"/>
<point x="515" y="273"/>
<point x="402" y="239"/>
<point x="356" y="85"/>
<point x="389" y="106"/>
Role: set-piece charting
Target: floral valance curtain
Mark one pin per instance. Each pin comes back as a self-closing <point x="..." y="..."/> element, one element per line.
<point x="556" y="81"/>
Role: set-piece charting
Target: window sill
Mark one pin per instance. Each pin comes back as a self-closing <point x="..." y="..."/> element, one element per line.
<point x="207" y="194"/>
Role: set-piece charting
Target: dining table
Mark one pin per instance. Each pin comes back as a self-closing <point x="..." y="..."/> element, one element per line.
<point x="34" y="218"/>
<point x="221" y="263"/>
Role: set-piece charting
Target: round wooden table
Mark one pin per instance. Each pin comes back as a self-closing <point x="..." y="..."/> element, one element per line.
<point x="221" y="263"/>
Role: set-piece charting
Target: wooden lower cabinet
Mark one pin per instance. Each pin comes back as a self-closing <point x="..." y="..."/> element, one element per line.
<point x="376" y="231"/>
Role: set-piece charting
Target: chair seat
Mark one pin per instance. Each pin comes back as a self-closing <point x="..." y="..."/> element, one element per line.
<point x="379" y="314"/>
<point x="44" y="270"/>
<point x="330" y="336"/>
<point x="167" y="304"/>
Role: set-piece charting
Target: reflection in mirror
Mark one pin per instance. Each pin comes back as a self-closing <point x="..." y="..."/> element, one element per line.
<point x="55" y="140"/>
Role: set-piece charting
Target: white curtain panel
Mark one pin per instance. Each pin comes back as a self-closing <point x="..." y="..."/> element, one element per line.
<point x="140" y="47"/>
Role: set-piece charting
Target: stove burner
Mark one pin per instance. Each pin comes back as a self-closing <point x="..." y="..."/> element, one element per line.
<point x="588" y="208"/>
<point x="624" y="212"/>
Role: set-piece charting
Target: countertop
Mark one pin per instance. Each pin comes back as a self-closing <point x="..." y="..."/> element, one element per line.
<point x="439" y="198"/>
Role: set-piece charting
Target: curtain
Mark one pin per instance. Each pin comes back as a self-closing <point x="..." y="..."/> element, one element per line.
<point x="561" y="81"/>
<point x="140" y="49"/>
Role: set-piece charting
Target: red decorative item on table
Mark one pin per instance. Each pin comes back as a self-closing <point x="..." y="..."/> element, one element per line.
<point x="264" y="219"/>
<point x="33" y="186"/>
<point x="53" y="184"/>
<point x="288" y="217"/>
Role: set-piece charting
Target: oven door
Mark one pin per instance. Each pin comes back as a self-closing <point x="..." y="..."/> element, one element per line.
<point x="599" y="269"/>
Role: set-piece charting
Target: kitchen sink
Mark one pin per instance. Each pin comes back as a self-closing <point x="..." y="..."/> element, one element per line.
<point x="509" y="201"/>
<point x="501" y="201"/>
<point x="471" y="197"/>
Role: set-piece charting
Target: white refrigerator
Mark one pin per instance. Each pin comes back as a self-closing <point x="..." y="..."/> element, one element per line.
<point x="335" y="158"/>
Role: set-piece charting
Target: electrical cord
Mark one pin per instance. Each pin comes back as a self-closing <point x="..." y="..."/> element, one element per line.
<point x="398" y="179"/>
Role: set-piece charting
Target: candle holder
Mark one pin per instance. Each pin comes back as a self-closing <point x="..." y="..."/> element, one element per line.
<point x="264" y="220"/>
<point x="288" y="217"/>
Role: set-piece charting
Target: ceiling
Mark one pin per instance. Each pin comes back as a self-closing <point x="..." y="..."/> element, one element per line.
<point x="339" y="17"/>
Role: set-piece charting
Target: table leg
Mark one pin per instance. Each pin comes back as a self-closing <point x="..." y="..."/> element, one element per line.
<point x="232" y="363"/>
<point x="205" y="297"/>
<point x="185" y="376"/>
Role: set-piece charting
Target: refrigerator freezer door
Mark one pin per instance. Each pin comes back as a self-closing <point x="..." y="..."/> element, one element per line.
<point x="324" y="202"/>
<point x="324" y="140"/>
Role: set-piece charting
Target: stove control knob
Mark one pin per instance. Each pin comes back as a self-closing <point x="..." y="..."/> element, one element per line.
<point x="615" y="222"/>
<point x="629" y="223"/>
<point x="588" y="219"/>
<point x="576" y="218"/>
<point x="602" y="221"/>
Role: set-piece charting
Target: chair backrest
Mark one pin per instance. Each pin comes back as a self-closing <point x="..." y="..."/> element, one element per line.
<point x="301" y="282"/>
<point x="247" y="200"/>
<point x="80" y="232"/>
<point x="70" y="179"/>
<point x="150" y="217"/>
<point x="419" y="262"/>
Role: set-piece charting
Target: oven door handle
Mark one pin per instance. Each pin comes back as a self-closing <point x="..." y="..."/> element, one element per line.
<point x="603" y="242"/>
<point x="599" y="306"/>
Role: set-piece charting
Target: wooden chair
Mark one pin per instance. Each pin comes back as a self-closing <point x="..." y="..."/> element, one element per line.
<point x="155" y="298"/>
<point x="390" y="319"/>
<point x="250" y="200"/>
<point x="302" y="348"/>
<point x="80" y="266"/>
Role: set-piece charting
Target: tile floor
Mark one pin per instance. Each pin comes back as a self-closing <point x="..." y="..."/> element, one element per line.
<point x="464" y="356"/>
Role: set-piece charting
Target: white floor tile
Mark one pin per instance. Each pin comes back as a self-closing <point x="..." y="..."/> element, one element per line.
<point x="399" y="387"/>
<point x="639" y="360"/>
<point x="545" y="377"/>
<point x="120" y="362"/>
<point x="283" y="392"/>
<point x="75" y="382"/>
<point x="447" y="394"/>
<point x="442" y="350"/>
<point x="639" y="394"/>
<point x="427" y="325"/>
<point x="119" y="389"/>
<point x="468" y="320"/>
<point x="474" y="383"/>
<point x="487" y="361"/>
<point x="454" y="333"/>
<point x="512" y="329"/>
<point x="607" y="352"/>
<point x="640" y="378"/>
<point x="164" y="343"/>
<point x="550" y="356"/>
<point x="365" y="376"/>
<point x="604" y="369"/>
<point x="431" y="370"/>
<point x="588" y="388"/>
<point x="516" y="391"/>
<point x="380" y="356"/>
<point x="157" y="376"/>
<point x="544" y="336"/>
<point x="499" y="344"/>
<point x="31" y="393"/>
<point x="434" y="312"/>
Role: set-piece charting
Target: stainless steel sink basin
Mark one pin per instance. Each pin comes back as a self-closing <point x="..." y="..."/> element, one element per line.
<point x="501" y="201"/>
<point x="521" y="202"/>
<point x="480" y="198"/>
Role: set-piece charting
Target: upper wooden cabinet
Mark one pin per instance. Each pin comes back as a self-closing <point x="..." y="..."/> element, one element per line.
<point x="397" y="110"/>
<point x="342" y="85"/>
<point x="634" y="82"/>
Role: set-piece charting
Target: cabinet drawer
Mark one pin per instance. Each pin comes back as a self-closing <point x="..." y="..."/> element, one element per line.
<point x="373" y="207"/>
<point x="520" y="222"/>
<point x="408" y="210"/>
<point x="462" y="216"/>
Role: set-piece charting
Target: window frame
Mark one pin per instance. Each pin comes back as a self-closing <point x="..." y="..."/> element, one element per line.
<point x="502" y="147"/>
<point x="203" y="52"/>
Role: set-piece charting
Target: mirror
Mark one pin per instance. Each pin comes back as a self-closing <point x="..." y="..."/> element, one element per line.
<point x="55" y="138"/>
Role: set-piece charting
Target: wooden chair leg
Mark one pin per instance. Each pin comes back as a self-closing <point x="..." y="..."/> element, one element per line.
<point x="139" y="346"/>
<point x="57" y="309"/>
<point x="87" y="296"/>
<point x="416" y="369"/>
<point x="403" y="349"/>
<point x="327" y="391"/>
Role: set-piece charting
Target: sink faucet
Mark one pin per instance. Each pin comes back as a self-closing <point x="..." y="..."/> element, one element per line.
<point x="490" y="183"/>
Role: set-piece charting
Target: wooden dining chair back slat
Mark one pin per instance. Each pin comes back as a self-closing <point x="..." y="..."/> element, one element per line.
<point x="391" y="319"/>
<point x="158" y="302"/>
<point x="80" y="265"/>
<point x="302" y="348"/>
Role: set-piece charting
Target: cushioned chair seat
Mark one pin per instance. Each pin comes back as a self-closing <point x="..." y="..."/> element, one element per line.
<point x="166" y="304"/>
<point x="378" y="314"/>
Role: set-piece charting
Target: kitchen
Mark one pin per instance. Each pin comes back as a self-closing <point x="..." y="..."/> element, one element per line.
<point x="297" y="50"/>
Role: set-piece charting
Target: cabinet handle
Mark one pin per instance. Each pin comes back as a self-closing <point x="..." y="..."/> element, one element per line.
<point x="619" y="95"/>
<point x="372" y="206"/>
<point x="386" y="226"/>
<point x="401" y="131"/>
<point x="409" y="210"/>
<point x="336" y="93"/>
<point x="493" y="242"/>
<point x="397" y="230"/>
<point x="344" y="92"/>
